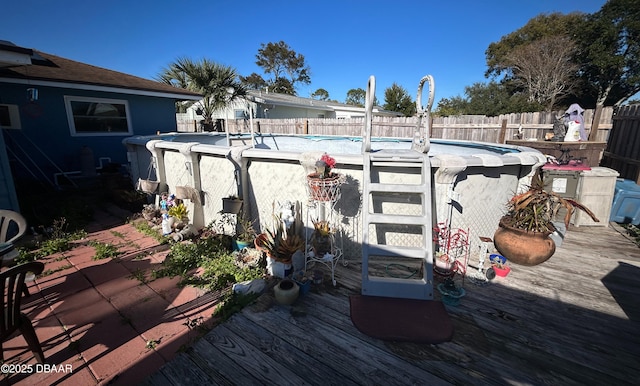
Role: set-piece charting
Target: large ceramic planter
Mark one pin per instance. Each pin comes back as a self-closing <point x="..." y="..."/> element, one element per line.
<point x="523" y="247"/>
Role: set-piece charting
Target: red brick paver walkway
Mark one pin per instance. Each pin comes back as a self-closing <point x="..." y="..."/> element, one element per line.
<point x="102" y="321"/>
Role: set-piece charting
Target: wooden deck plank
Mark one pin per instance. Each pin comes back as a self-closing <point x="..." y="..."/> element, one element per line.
<point x="310" y="367"/>
<point x="572" y="320"/>
<point x="245" y="358"/>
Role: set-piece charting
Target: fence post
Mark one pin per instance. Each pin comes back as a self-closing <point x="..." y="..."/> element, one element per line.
<point x="595" y="123"/>
<point x="503" y="131"/>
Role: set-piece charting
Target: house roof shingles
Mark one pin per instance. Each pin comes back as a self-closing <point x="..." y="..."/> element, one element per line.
<point x="53" y="68"/>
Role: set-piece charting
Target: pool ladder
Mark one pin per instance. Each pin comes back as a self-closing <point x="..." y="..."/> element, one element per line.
<point x="379" y="223"/>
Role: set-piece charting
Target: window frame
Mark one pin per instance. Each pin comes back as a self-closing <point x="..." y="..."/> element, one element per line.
<point x="237" y="112"/>
<point x="69" y="99"/>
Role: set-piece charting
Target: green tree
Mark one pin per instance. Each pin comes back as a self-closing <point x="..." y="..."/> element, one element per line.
<point x="396" y="98"/>
<point x="286" y="67"/>
<point x="451" y="106"/>
<point x="356" y="97"/>
<point x="544" y="68"/>
<point x="538" y="58"/>
<point x="254" y="82"/>
<point x="541" y="26"/>
<point x="609" y="53"/>
<point x="218" y="84"/>
<point x="489" y="99"/>
<point x="320" y="94"/>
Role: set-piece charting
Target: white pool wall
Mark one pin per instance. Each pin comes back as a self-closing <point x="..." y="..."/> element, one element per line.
<point x="472" y="181"/>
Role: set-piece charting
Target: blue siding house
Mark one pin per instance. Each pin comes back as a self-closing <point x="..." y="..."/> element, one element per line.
<point x="60" y="117"/>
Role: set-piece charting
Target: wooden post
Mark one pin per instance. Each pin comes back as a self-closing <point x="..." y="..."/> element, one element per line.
<point x="503" y="131"/>
<point x="595" y="123"/>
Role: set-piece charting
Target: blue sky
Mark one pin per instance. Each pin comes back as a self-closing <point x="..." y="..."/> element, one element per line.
<point x="344" y="42"/>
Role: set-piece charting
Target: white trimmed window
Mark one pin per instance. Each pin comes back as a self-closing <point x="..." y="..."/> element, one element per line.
<point x="97" y="116"/>
<point x="240" y="114"/>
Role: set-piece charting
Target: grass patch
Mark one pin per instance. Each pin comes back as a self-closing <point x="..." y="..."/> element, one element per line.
<point x="219" y="269"/>
<point x="52" y="271"/>
<point x="146" y="229"/>
<point x="118" y="234"/>
<point x="57" y="239"/>
<point x="232" y="303"/>
<point x="104" y="250"/>
<point x="139" y="275"/>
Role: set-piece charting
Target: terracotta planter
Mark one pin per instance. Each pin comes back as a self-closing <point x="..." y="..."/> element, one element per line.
<point x="324" y="189"/>
<point x="523" y="247"/>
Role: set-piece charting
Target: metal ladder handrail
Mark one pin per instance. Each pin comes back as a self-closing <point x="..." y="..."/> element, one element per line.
<point x="422" y="134"/>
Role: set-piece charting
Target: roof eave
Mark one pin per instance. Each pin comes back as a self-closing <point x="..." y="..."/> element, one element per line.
<point x="95" y="87"/>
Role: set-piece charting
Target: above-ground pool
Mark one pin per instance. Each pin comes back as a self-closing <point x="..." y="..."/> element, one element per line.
<point x="335" y="144"/>
<point x="471" y="181"/>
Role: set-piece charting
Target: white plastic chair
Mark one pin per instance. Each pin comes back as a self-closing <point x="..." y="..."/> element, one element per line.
<point x="12" y="227"/>
<point x="10" y="233"/>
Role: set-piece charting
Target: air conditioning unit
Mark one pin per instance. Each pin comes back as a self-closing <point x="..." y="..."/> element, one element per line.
<point x="9" y="117"/>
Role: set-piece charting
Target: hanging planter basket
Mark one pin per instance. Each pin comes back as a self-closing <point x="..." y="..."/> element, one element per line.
<point x="325" y="189"/>
<point x="231" y="205"/>
<point x="147" y="186"/>
<point x="188" y="193"/>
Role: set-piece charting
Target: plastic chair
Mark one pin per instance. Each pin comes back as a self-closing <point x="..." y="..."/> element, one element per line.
<point x="12" y="227"/>
<point x="10" y="233"/>
<point x="12" y="319"/>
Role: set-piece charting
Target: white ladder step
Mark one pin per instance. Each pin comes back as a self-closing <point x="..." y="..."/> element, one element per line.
<point x="398" y="219"/>
<point x="397" y="188"/>
<point x="395" y="251"/>
<point x="399" y="155"/>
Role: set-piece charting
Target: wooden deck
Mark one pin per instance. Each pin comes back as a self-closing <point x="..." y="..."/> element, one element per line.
<point x="574" y="320"/>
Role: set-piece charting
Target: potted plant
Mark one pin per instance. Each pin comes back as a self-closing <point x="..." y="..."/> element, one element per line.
<point x="523" y="233"/>
<point x="443" y="263"/>
<point x="321" y="238"/>
<point x="180" y="213"/>
<point x="231" y="204"/>
<point x="323" y="183"/>
<point x="280" y="243"/>
<point x="245" y="233"/>
<point x="499" y="266"/>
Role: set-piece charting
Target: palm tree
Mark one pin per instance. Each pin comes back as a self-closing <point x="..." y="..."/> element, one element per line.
<point x="218" y="84"/>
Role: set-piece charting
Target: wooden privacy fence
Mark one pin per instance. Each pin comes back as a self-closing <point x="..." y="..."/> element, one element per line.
<point x="623" y="147"/>
<point x="466" y="127"/>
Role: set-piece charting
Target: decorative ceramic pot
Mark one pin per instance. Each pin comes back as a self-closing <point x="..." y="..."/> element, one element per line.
<point x="240" y="245"/>
<point x="286" y="292"/>
<point x="523" y="247"/>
